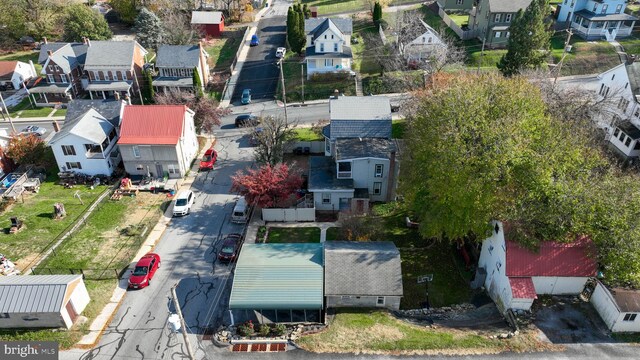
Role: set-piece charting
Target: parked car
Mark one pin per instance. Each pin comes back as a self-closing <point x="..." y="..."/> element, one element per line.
<point x="144" y="271"/>
<point x="183" y="203"/>
<point x="280" y="52"/>
<point x="240" y="213"/>
<point x="247" y="120"/>
<point x="246" y="97"/>
<point x="254" y="41"/>
<point x="230" y="247"/>
<point x="209" y="159"/>
<point x="34" y="130"/>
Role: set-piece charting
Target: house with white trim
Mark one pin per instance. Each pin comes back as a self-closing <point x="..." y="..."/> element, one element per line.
<point x="328" y="45"/>
<point x="14" y="74"/>
<point x="597" y="19"/>
<point x="423" y="47"/>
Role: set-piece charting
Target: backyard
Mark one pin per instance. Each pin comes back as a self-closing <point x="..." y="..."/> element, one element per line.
<point x="223" y="50"/>
<point x="347" y="6"/>
<point x="278" y="235"/>
<point x="23" y="56"/>
<point x="307" y="134"/>
<point x="319" y="87"/>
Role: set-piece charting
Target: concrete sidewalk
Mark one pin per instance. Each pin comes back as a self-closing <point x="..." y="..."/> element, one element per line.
<point x="103" y="319"/>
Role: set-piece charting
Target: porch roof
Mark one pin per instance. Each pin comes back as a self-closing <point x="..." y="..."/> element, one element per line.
<point x="311" y="53"/>
<point x="322" y="175"/>
<point x="109" y="86"/>
<point x="604" y="17"/>
<point x="173" y="81"/>
<point x="630" y="129"/>
<point x="50" y="89"/>
<point x="355" y="148"/>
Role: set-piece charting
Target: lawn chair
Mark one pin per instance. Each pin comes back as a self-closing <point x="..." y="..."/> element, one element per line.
<point x="16" y="225"/>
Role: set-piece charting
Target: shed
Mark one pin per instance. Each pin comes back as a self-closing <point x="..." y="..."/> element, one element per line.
<point x="619" y="308"/>
<point x="281" y="282"/>
<point x="362" y="274"/>
<point x="41" y="301"/>
<point x="212" y="22"/>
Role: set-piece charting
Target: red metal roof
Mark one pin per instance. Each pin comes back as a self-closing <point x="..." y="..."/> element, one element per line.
<point x="152" y="124"/>
<point x="553" y="259"/>
<point x="522" y="288"/>
<point x="7" y="68"/>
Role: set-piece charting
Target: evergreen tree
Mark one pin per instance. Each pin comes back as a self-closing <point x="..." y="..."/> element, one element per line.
<point x="149" y="29"/>
<point x="377" y="13"/>
<point x="197" y="84"/>
<point x="147" y="91"/>
<point x="529" y="40"/>
<point x="80" y="21"/>
<point x="302" y="36"/>
<point x="291" y="26"/>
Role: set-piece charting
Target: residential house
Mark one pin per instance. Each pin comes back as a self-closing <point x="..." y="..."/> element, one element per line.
<point x="14" y="74"/>
<point x="515" y="276"/>
<point x="362" y="274"/>
<point x="456" y="5"/>
<point x="110" y="109"/>
<point x="328" y="45"/>
<point x="158" y="140"/>
<point x="597" y="19"/>
<point x="41" y="301"/>
<point x="62" y="68"/>
<point x="492" y="18"/>
<point x="619" y="308"/>
<point x="424" y="47"/>
<point x="360" y="162"/>
<point x="175" y="65"/>
<point x="211" y="22"/>
<point x="114" y="69"/>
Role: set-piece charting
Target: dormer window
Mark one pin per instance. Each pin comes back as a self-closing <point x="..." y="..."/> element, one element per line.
<point x="51" y="79"/>
<point x="331" y="36"/>
<point x="321" y="47"/>
<point x="335" y="47"/>
<point x="325" y="37"/>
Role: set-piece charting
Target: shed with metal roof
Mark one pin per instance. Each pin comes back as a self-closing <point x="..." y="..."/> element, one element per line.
<point x="41" y="301"/>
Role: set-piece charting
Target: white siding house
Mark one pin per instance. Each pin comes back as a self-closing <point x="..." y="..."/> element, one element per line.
<point x="16" y="73"/>
<point x="328" y="45"/>
<point x="424" y="46"/>
<point x="618" y="308"/>
<point x="597" y="19"/>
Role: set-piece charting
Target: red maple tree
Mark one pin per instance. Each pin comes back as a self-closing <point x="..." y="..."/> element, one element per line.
<point x="267" y="186"/>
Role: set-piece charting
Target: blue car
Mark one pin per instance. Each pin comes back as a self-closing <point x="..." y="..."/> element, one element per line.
<point x="246" y="97"/>
<point x="254" y="41"/>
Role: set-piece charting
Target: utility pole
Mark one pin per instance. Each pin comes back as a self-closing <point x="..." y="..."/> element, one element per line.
<point x="4" y="106"/>
<point x="564" y="54"/>
<point x="184" y="325"/>
<point x="301" y="78"/>
<point x="284" y="92"/>
<point x="481" y="53"/>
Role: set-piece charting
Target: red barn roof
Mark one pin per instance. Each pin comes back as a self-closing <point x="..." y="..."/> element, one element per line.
<point x="522" y="288"/>
<point x="152" y="124"/>
<point x="7" y="68"/>
<point x="553" y="259"/>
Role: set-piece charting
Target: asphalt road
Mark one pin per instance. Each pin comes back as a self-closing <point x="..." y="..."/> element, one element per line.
<point x="260" y="72"/>
<point x="302" y="115"/>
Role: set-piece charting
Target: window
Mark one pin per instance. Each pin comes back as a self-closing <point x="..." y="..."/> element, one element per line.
<point x="173" y="169"/>
<point x="327" y="146"/>
<point x="377" y="188"/>
<point x="57" y="68"/>
<point x="604" y="90"/>
<point x="321" y="47"/>
<point x="50" y="67"/>
<point x="623" y="104"/>
<point x="626" y="85"/>
<point x="51" y="79"/>
<point x="379" y="170"/>
<point x="629" y="317"/>
<point x="92" y="148"/>
<point x="96" y="75"/>
<point x="565" y="2"/>
<point x="74" y="165"/>
<point x="490" y="249"/>
<point x="380" y="300"/>
<point x="136" y="151"/>
<point x="497" y="18"/>
<point x="4" y="315"/>
<point x="63" y="78"/>
<point x="507" y="18"/>
<point x="335" y="47"/>
<point x="508" y="34"/>
<point x="326" y="198"/>
<point x="328" y="62"/>
<point x="636" y="146"/>
<point x="616" y="132"/>
<point x="459" y="2"/>
<point x="498" y="265"/>
<point x="123" y="74"/>
<point x="627" y="142"/>
<point x="618" y="8"/>
<point x="139" y="167"/>
<point x="331" y="36"/>
<point x="613" y="77"/>
<point x="595" y="7"/>
<point x="68" y="150"/>
<point x="107" y="75"/>
<point x="621" y="137"/>
<point x="498" y="34"/>
<point x="344" y="169"/>
<point x="604" y="9"/>
<point x="325" y="36"/>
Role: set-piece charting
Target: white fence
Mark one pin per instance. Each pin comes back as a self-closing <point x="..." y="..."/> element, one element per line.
<point x="314" y="146"/>
<point x="289" y="215"/>
<point x="462" y="34"/>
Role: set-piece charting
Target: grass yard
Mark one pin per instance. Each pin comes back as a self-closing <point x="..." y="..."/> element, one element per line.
<point x="631" y="44"/>
<point x="397" y="128"/>
<point x="335" y="6"/>
<point x="459" y="18"/>
<point x="23" y="56"/>
<point x="60" y="112"/>
<point x="25" y="110"/>
<point x="293" y="235"/>
<point x="586" y="57"/>
<point x="333" y="233"/>
<point x="307" y="134"/>
<point x="222" y="51"/>
<point x="363" y="59"/>
<point x="317" y="88"/>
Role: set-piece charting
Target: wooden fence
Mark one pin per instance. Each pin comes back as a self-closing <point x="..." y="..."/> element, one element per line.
<point x="462" y="34"/>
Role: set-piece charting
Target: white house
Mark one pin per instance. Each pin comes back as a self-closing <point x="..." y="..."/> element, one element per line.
<point x="515" y="275"/>
<point x="424" y="46"/>
<point x="597" y="19"/>
<point x="619" y="308"/>
<point x="328" y="45"/>
<point x="41" y="301"/>
<point x="86" y="144"/>
<point x="16" y="73"/>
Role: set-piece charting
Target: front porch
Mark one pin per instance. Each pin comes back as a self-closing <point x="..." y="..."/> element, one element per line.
<point x="610" y="27"/>
<point x="165" y="84"/>
<point x="109" y="89"/>
<point x="50" y="94"/>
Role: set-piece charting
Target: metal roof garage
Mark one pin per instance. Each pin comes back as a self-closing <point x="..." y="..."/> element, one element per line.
<point x="278" y="282"/>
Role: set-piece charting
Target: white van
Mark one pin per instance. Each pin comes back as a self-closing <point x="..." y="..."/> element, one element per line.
<point x="240" y="212"/>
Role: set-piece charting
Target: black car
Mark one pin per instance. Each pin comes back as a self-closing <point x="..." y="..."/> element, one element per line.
<point x="247" y="120"/>
<point x="230" y="246"/>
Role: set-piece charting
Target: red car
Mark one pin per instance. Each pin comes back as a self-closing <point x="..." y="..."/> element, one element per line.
<point x="230" y="246"/>
<point x="208" y="160"/>
<point x="144" y="271"/>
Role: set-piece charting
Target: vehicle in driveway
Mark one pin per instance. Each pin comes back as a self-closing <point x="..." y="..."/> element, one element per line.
<point x="144" y="271"/>
<point x="246" y="97"/>
<point x="280" y="52"/>
<point x="247" y="120"/>
<point x="254" y="41"/>
<point x="34" y="130"/>
<point x="230" y="246"/>
<point x="183" y="203"/>
<point x="208" y="160"/>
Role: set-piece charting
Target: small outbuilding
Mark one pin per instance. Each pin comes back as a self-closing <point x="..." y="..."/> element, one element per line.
<point x="212" y="22"/>
<point x="619" y="308"/>
<point x="41" y="301"/>
<point x="362" y="274"/>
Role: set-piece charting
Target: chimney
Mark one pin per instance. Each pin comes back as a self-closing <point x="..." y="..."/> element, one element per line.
<point x="631" y="59"/>
<point x="44" y="40"/>
<point x="86" y="41"/>
<point x="50" y="53"/>
<point x="128" y="99"/>
<point x="56" y="126"/>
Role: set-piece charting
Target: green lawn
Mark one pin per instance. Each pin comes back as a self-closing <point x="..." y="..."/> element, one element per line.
<point x="397" y="129"/>
<point x="314" y="89"/>
<point x="342" y="6"/>
<point x="374" y="331"/>
<point x="363" y="52"/>
<point x="333" y="233"/>
<point x="25" y="110"/>
<point x="631" y="44"/>
<point x="60" y="112"/>
<point x="586" y="57"/>
<point x="459" y="18"/>
<point x="223" y="51"/>
<point x="293" y="235"/>
<point x="23" y="56"/>
<point x="307" y="134"/>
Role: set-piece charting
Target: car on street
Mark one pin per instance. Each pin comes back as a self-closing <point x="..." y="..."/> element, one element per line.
<point x="247" y="120"/>
<point x="254" y="41"/>
<point x="246" y="97"/>
<point x="230" y="246"/>
<point x="34" y="130"/>
<point x="280" y="52"/>
<point x="183" y="203"/>
<point x="144" y="271"/>
<point x="208" y="160"/>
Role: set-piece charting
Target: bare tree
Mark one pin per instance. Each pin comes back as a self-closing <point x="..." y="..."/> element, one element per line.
<point x="178" y="29"/>
<point x="207" y="113"/>
<point x="270" y="139"/>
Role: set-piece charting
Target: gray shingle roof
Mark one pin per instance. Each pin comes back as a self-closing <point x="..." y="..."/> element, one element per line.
<point x="91" y="126"/>
<point x="510" y="6"/>
<point x="322" y="175"/>
<point x="344" y="25"/>
<point x="630" y="129"/>
<point x="110" y="54"/>
<point x="355" y="148"/>
<point x="628" y="300"/>
<point x="65" y="58"/>
<point x="33" y="293"/>
<point x="79" y="49"/>
<point x="360" y="108"/>
<point x="633" y="73"/>
<point x="311" y="53"/>
<point x="178" y="56"/>
<point x="206" y="17"/>
<point x="109" y="109"/>
<point x="362" y="268"/>
<point x="605" y="17"/>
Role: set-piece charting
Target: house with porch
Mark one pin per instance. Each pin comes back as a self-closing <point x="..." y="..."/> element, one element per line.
<point x="456" y="5"/>
<point x="424" y="47"/>
<point x="62" y="69"/>
<point x="158" y="140"/>
<point x="492" y="18"/>
<point x="328" y="45"/>
<point x="360" y="163"/>
<point x="597" y="19"/>
<point x="14" y="74"/>
<point x="175" y="65"/>
<point x="113" y="69"/>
